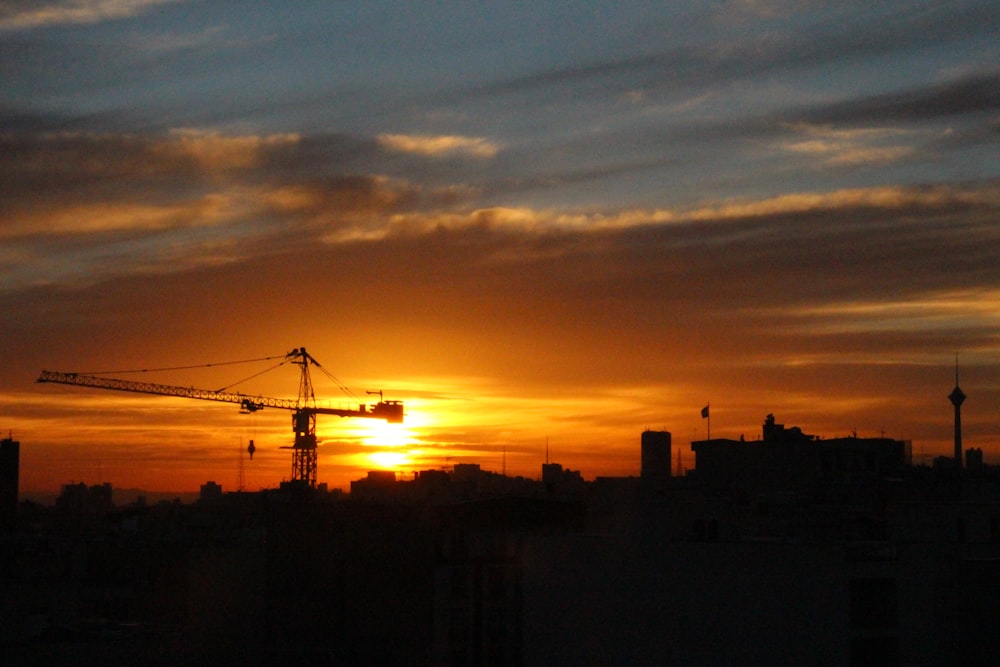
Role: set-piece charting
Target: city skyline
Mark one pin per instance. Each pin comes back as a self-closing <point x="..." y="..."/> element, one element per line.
<point x="539" y="226"/>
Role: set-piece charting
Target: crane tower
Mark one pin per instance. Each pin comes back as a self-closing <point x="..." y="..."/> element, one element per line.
<point x="304" y="408"/>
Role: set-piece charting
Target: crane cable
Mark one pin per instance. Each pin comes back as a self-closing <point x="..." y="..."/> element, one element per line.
<point x="339" y="384"/>
<point x="328" y="374"/>
<point x="266" y="370"/>
<point x="184" y="368"/>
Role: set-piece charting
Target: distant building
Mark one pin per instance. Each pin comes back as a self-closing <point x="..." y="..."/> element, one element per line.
<point x="379" y="485"/>
<point x="655" y="454"/>
<point x="210" y="492"/>
<point x="974" y="459"/>
<point x="787" y="458"/>
<point x="10" y="462"/>
<point x="562" y="481"/>
<point x="466" y="472"/>
<point x="80" y="498"/>
<point x="551" y="473"/>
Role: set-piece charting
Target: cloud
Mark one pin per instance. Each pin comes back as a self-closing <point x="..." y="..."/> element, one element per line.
<point x="933" y="311"/>
<point x="169" y="42"/>
<point x="75" y="201"/>
<point x="26" y="14"/>
<point x="847" y="148"/>
<point x="213" y="151"/>
<point x="86" y="183"/>
<point x="859" y="119"/>
<point x="57" y="165"/>
<point x="971" y="93"/>
<point x="194" y="197"/>
<point x="750" y="54"/>
<point x="436" y="146"/>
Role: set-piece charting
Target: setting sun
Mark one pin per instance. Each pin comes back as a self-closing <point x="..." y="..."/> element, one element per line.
<point x="383" y="434"/>
<point x="389" y="460"/>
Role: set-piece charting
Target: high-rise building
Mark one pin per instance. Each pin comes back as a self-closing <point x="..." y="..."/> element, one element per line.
<point x="655" y="454"/>
<point x="10" y="462"/>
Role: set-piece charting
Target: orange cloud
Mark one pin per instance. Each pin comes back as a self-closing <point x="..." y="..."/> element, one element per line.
<point x="436" y="146"/>
<point x="848" y="147"/>
<point x="214" y="151"/>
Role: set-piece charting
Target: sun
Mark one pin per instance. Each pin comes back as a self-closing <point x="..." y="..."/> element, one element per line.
<point x="383" y="434"/>
<point x="389" y="460"/>
<point x="386" y="446"/>
<point x="390" y="445"/>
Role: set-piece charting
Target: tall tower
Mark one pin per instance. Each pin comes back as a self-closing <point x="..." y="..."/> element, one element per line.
<point x="957" y="397"/>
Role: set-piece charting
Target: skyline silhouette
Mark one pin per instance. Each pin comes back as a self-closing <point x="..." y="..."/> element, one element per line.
<point x="781" y="548"/>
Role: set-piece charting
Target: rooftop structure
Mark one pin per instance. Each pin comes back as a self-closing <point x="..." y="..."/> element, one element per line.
<point x="787" y="458"/>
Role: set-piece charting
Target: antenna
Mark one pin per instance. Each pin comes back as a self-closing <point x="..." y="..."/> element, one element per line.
<point x="546" y="450"/>
<point x="240" y="479"/>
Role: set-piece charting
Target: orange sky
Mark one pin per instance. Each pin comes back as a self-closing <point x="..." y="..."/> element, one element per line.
<point x="531" y="224"/>
<point x="498" y="338"/>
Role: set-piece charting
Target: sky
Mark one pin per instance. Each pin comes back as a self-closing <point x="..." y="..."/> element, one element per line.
<point x="543" y="226"/>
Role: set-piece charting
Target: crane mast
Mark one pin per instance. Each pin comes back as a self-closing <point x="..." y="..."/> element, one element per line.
<point x="304" y="408"/>
<point x="304" y="454"/>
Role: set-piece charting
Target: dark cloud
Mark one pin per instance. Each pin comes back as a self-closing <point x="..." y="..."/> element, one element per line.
<point x="832" y="39"/>
<point x="961" y="108"/>
<point x="976" y="93"/>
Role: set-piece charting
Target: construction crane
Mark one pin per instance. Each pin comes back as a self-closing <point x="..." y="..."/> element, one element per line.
<point x="304" y="408"/>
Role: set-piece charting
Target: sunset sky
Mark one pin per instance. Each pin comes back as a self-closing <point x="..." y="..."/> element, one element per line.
<point x="538" y="222"/>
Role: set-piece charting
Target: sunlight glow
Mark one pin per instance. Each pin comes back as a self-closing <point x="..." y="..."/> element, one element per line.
<point x="382" y="434"/>
<point x="389" y="460"/>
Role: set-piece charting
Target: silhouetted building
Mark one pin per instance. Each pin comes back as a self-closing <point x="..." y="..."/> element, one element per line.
<point x="210" y="492"/>
<point x="379" y="485"/>
<point x="79" y="498"/>
<point x="788" y="459"/>
<point x="562" y="481"/>
<point x="655" y="454"/>
<point x="974" y="460"/>
<point x="551" y="473"/>
<point x="466" y="472"/>
<point x="10" y="461"/>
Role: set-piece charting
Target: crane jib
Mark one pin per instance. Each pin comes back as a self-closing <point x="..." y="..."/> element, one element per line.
<point x="391" y="411"/>
<point x="248" y="403"/>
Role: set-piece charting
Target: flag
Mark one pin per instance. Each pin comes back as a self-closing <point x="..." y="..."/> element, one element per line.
<point x="704" y="412"/>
